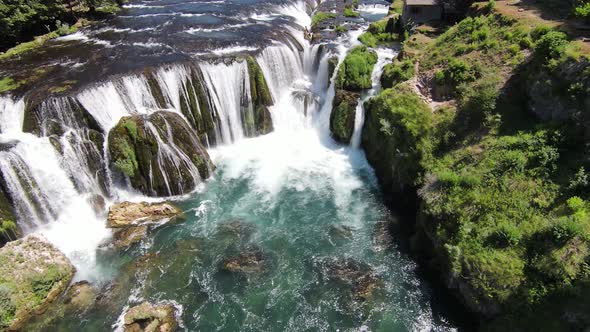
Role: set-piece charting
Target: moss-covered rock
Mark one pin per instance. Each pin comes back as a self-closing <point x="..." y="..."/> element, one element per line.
<point x="8" y="225"/>
<point x="195" y="104"/>
<point x="397" y="72"/>
<point x="33" y="273"/>
<point x="395" y="138"/>
<point x="174" y="168"/>
<point x="56" y="115"/>
<point x="354" y="74"/>
<point x="261" y="123"/>
<point x="343" y="114"/>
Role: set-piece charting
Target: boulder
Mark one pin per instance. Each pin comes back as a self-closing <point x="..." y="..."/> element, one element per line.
<point x="159" y="153"/>
<point x="343" y="114"/>
<point x="128" y="236"/>
<point x="81" y="295"/>
<point x="34" y="273"/>
<point x="128" y="214"/>
<point x="359" y="278"/>
<point x="260" y="122"/>
<point x="234" y="230"/>
<point x="150" y="318"/>
<point x="251" y="260"/>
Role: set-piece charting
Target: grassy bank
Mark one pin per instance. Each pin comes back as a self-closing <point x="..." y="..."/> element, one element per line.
<point x="499" y="164"/>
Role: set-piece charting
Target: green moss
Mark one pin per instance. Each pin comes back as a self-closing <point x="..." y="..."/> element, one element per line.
<point x="355" y="72"/>
<point x="381" y="32"/>
<point x="349" y="12"/>
<point x="261" y="98"/>
<point x="8" y="84"/>
<point x="131" y="128"/>
<point x="320" y="17"/>
<point x="124" y="157"/>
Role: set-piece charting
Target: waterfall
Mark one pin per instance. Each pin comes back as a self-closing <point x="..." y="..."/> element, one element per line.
<point x="54" y="158"/>
<point x="384" y="56"/>
<point x="227" y="87"/>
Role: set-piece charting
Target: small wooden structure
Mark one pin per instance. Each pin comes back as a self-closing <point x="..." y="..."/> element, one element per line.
<point x="422" y="11"/>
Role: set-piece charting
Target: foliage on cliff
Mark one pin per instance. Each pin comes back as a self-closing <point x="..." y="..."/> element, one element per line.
<point x="501" y="169"/>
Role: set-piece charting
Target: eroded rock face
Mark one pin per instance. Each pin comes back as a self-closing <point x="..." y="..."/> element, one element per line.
<point x="34" y="273"/>
<point x="150" y="318"/>
<point x="82" y="295"/>
<point x="131" y="220"/>
<point x="160" y="154"/>
<point x="127" y="214"/>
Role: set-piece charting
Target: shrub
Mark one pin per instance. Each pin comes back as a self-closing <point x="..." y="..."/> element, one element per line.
<point x="551" y="45"/>
<point x="397" y="72"/>
<point x="506" y="234"/>
<point x="355" y="72"/>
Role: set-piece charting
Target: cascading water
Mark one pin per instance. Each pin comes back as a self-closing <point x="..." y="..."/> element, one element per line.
<point x="384" y="56"/>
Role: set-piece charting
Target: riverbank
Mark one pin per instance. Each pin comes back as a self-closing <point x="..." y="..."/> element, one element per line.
<point x="493" y="161"/>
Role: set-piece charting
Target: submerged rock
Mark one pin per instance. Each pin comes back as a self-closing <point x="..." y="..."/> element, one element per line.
<point x="150" y="318"/>
<point x="160" y="154"/>
<point x="343" y="114"/>
<point x="360" y="278"/>
<point x="250" y="261"/>
<point x="82" y="295"/>
<point x="127" y="214"/>
<point x="235" y="229"/>
<point x="34" y="273"/>
<point x="340" y="233"/>
<point x="127" y="236"/>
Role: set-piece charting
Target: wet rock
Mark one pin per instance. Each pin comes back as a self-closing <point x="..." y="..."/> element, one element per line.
<point x="150" y="318"/>
<point x="8" y="226"/>
<point x="382" y="235"/>
<point x="34" y="273"/>
<point x="82" y="295"/>
<point x="251" y="260"/>
<point x="360" y="278"/>
<point x="127" y="236"/>
<point x="98" y="204"/>
<point x="260" y="122"/>
<point x="160" y="154"/>
<point x="340" y="233"/>
<point x="131" y="214"/>
<point x="332" y="64"/>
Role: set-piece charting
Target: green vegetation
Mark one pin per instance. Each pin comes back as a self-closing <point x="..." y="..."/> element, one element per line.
<point x="350" y="12"/>
<point x="355" y="72"/>
<point x="381" y="32"/>
<point x="319" y="17"/>
<point x="21" y="20"/>
<point x="397" y="72"/>
<point x="7" y="84"/>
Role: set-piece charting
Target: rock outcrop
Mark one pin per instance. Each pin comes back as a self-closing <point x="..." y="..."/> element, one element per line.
<point x="160" y="154"/>
<point x="131" y="220"/>
<point x="34" y="273"/>
<point x="260" y="122"/>
<point x="148" y="317"/>
<point x="358" y="278"/>
<point x="251" y="260"/>
<point x="8" y="226"/>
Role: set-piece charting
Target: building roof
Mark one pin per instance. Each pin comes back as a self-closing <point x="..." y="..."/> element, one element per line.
<point x="422" y="2"/>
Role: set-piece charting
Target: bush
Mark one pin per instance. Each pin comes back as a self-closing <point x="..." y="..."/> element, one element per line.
<point x="355" y="71"/>
<point x="397" y="72"/>
<point x="551" y="46"/>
